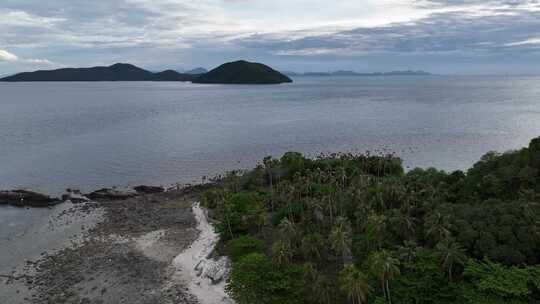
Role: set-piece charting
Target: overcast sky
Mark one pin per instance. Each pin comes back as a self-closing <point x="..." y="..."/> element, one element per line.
<point x="441" y="36"/>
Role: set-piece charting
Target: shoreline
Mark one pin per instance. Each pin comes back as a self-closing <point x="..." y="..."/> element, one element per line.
<point x="198" y="269"/>
<point x="127" y="254"/>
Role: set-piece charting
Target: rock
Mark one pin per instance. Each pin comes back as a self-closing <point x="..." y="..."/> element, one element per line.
<point x="23" y="198"/>
<point x="110" y="194"/>
<point x="149" y="189"/>
<point x="75" y="197"/>
<point x="217" y="271"/>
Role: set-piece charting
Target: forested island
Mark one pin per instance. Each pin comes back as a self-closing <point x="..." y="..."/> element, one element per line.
<point x="243" y="72"/>
<point x="346" y="228"/>
<point x="238" y="72"/>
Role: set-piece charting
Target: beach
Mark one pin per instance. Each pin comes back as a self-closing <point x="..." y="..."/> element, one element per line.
<point x="113" y="251"/>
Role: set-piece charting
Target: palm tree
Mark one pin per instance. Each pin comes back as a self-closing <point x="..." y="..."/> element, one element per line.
<point x="323" y="290"/>
<point x="282" y="252"/>
<point x="408" y="251"/>
<point x="438" y="226"/>
<point x="312" y="246"/>
<point x="376" y="228"/>
<point x="385" y="267"/>
<point x="340" y="238"/>
<point x="354" y="284"/>
<point x="404" y="222"/>
<point x="452" y="253"/>
<point x="288" y="231"/>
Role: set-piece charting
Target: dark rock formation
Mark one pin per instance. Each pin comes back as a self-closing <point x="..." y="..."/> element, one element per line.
<point x="23" y="198"/>
<point x="109" y="195"/>
<point x="148" y="189"/>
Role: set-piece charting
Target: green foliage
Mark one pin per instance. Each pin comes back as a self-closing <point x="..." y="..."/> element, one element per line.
<point x="255" y="279"/>
<point x="238" y="213"/>
<point x="418" y="236"/>
<point x="495" y="281"/>
<point x="243" y="245"/>
<point x="422" y="281"/>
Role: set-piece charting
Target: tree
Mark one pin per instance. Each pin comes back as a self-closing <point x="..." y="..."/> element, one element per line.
<point x="282" y="252"/>
<point x="408" y="251"/>
<point x="385" y="267"/>
<point x="288" y="231"/>
<point x="256" y="280"/>
<point x="320" y="289"/>
<point x="312" y="246"/>
<point x="438" y="227"/>
<point x="353" y="282"/>
<point x="452" y="253"/>
<point x="340" y="238"/>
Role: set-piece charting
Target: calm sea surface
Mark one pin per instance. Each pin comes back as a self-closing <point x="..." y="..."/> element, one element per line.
<point x="90" y="135"/>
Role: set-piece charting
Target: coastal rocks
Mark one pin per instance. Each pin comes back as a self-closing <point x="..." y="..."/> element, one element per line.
<point x="23" y="198"/>
<point x="216" y="271"/>
<point x="148" y="189"/>
<point x="75" y="197"/>
<point x="110" y="195"/>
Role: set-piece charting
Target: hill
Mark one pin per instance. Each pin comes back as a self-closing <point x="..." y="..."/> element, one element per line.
<point x="197" y="71"/>
<point x="243" y="72"/>
<point x="115" y="72"/>
<point x="171" y="75"/>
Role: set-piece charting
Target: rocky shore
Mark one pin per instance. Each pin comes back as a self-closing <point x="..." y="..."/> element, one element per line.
<point x="127" y="256"/>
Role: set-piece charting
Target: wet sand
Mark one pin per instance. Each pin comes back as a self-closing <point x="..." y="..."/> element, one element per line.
<point x="123" y="252"/>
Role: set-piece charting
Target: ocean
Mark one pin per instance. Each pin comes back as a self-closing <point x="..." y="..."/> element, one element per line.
<point x="55" y="136"/>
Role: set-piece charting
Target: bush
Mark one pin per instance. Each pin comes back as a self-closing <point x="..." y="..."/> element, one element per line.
<point x="241" y="246"/>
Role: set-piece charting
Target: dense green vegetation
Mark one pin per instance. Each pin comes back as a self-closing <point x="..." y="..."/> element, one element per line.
<point x="358" y="229"/>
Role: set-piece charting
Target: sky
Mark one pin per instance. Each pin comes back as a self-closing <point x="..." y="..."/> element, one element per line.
<point x="439" y="36"/>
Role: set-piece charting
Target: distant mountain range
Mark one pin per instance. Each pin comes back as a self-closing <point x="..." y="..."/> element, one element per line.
<point x="197" y="71"/>
<point x="238" y="72"/>
<point x="352" y="73"/>
<point x="115" y="72"/>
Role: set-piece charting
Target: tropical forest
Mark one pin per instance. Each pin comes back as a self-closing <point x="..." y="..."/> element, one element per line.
<point x="346" y="228"/>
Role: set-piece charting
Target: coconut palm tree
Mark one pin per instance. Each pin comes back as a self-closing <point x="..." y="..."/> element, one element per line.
<point x="452" y="253"/>
<point x="408" y="251"/>
<point x="282" y="252"/>
<point x="340" y="238"/>
<point x="288" y="231"/>
<point x="320" y="289"/>
<point x="376" y="229"/>
<point x="353" y="282"/>
<point x="403" y="222"/>
<point x="312" y="246"/>
<point x="385" y="267"/>
<point x="438" y="227"/>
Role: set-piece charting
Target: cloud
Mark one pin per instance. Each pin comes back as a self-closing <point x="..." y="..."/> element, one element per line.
<point x="530" y="41"/>
<point x="166" y="32"/>
<point x="455" y="31"/>
<point x="7" y="56"/>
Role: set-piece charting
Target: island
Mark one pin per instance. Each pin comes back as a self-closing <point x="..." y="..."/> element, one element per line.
<point x="353" y="73"/>
<point x="243" y="72"/>
<point x="238" y="72"/>
<point x="115" y="72"/>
